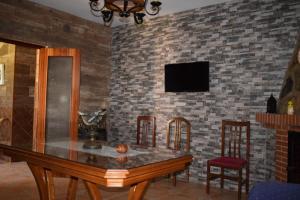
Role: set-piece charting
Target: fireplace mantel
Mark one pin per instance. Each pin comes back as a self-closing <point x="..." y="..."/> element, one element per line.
<point x="279" y="121"/>
<point x="283" y="123"/>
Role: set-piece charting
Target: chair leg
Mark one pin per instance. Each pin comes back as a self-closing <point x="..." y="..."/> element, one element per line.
<point x="247" y="179"/>
<point x="207" y="178"/>
<point x="240" y="184"/>
<point x="222" y="177"/>
<point x="187" y="173"/>
<point x="174" y="179"/>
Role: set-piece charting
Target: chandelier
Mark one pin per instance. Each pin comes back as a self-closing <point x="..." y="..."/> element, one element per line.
<point x="106" y="9"/>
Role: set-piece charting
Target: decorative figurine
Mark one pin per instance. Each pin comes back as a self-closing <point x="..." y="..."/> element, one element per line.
<point x="271" y="104"/>
<point x="290" y="108"/>
<point x="92" y="123"/>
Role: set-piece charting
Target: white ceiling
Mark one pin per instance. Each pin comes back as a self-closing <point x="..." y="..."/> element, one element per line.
<point x="81" y="7"/>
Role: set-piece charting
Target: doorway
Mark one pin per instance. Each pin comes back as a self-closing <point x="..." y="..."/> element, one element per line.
<point x="16" y="93"/>
<point x="35" y="75"/>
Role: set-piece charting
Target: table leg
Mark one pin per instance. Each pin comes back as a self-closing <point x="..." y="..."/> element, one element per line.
<point x="93" y="190"/>
<point x="44" y="181"/>
<point x="136" y="192"/>
<point x="49" y="184"/>
<point x="71" y="195"/>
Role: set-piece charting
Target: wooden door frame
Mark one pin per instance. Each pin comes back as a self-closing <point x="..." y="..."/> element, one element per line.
<point x="21" y="43"/>
<point x="40" y="92"/>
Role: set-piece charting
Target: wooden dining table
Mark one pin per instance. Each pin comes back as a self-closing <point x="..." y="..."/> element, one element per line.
<point x="104" y="166"/>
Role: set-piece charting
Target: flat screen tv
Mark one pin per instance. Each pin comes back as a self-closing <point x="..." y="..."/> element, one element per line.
<point x="187" y="77"/>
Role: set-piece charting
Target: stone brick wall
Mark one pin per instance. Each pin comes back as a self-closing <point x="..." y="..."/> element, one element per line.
<point x="29" y="22"/>
<point x="248" y="45"/>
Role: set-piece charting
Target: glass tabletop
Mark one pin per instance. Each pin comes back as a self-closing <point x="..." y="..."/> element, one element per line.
<point x="106" y="157"/>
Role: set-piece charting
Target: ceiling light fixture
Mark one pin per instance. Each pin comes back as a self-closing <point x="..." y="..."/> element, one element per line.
<point x="106" y="9"/>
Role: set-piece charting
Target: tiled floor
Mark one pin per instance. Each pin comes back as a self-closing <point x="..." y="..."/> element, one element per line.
<point x="17" y="183"/>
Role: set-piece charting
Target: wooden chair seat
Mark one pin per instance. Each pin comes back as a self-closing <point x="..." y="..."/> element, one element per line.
<point x="228" y="162"/>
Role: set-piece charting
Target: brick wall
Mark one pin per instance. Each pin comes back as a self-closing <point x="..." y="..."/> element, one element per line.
<point x="248" y="45"/>
<point x="28" y="22"/>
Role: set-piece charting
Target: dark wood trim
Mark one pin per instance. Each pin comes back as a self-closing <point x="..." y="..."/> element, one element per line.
<point x="20" y="43"/>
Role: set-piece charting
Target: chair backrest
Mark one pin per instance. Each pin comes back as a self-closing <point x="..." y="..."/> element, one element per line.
<point x="236" y="139"/>
<point x="178" y="134"/>
<point x="146" y="131"/>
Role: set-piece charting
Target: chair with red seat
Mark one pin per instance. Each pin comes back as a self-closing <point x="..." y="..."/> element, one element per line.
<point x="235" y="143"/>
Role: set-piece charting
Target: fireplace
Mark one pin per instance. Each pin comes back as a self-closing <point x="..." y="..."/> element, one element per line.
<point x="293" y="157"/>
<point x="287" y="127"/>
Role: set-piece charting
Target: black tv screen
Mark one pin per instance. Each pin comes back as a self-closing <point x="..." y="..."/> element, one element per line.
<point x="187" y="77"/>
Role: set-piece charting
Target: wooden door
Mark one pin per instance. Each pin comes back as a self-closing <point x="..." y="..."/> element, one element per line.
<point x="56" y="94"/>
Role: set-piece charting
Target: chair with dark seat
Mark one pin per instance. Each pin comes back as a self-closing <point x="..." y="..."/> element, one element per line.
<point x="235" y="154"/>
<point x="146" y="131"/>
<point x="178" y="138"/>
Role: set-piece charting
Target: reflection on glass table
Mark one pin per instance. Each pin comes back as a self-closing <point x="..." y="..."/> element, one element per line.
<point x="105" y="166"/>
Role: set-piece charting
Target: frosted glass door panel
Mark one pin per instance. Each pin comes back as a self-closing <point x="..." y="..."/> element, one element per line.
<point x="59" y="85"/>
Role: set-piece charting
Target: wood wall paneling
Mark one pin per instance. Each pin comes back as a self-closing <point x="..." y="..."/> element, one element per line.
<point x="28" y="22"/>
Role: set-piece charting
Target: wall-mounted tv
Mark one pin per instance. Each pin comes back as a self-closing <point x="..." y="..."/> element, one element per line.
<point x="187" y="77"/>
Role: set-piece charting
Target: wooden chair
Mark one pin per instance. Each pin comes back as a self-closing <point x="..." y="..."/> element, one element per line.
<point x="235" y="143"/>
<point x="178" y="138"/>
<point x="146" y="131"/>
